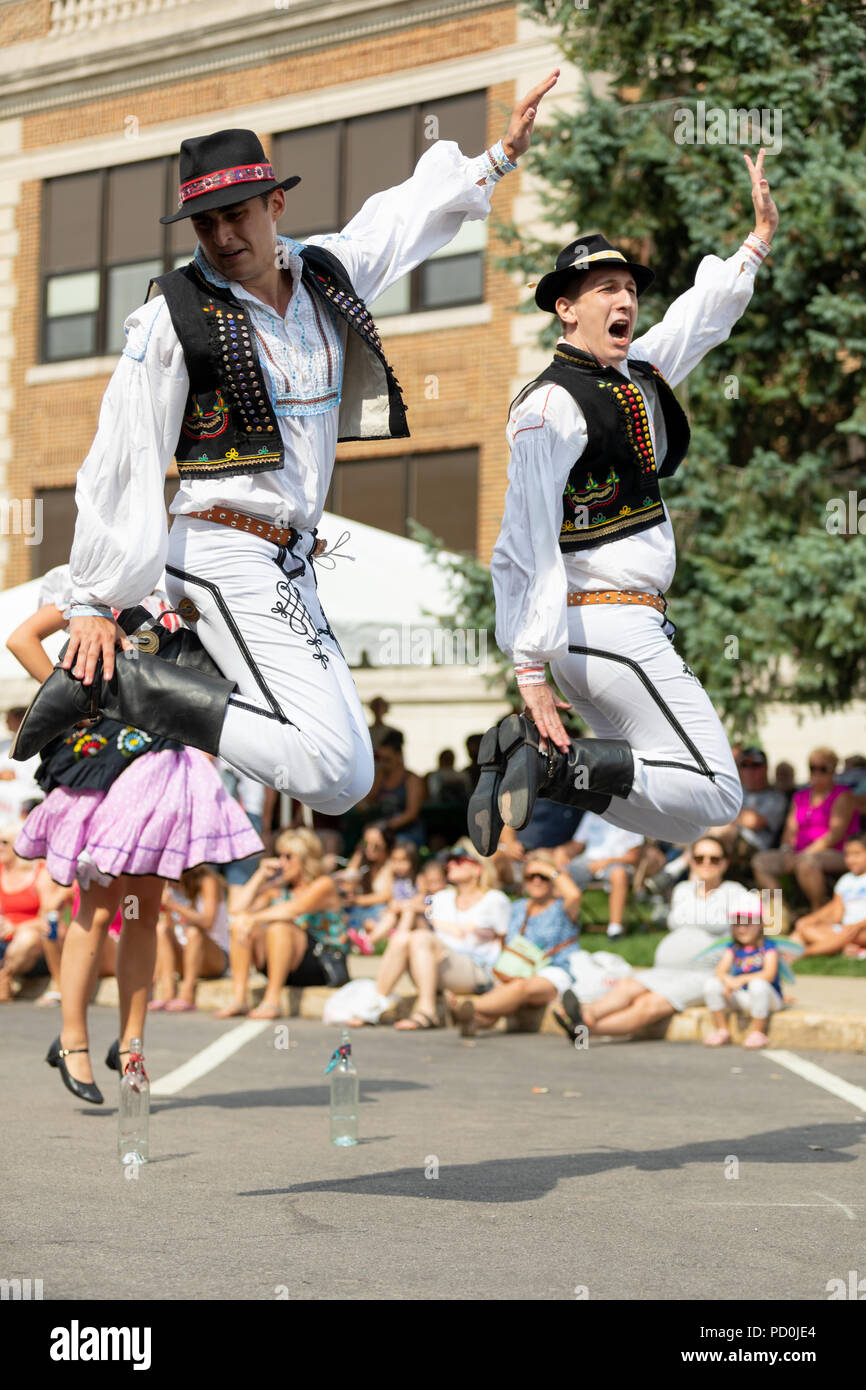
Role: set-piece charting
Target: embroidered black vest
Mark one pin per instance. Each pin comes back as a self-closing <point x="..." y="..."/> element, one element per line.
<point x="229" y="425"/>
<point x="612" y="489"/>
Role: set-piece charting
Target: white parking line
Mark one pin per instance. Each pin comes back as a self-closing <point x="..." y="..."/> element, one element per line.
<point x="209" y="1057"/>
<point x="855" y="1095"/>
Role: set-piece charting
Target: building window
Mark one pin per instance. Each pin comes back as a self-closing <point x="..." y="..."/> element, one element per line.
<point x="102" y="243"/>
<point x="439" y="491"/>
<point x="344" y="163"/>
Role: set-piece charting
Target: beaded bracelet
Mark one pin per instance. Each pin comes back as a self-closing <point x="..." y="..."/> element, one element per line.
<point x="498" y="160"/>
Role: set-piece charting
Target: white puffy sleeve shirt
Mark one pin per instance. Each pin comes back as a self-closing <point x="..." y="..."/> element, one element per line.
<point x="121" y="536"/>
<point x="547" y="435"/>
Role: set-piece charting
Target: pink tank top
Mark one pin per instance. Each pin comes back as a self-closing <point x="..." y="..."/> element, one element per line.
<point x="813" y="821"/>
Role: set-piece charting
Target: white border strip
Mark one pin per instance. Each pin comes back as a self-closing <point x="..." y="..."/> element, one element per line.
<point x="209" y="1057"/>
<point x="854" y="1095"/>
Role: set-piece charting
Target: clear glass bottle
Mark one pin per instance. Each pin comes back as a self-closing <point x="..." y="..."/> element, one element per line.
<point x="133" y="1113"/>
<point x="344" y="1095"/>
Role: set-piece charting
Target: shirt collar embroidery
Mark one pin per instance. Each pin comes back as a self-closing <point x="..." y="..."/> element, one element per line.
<point x="291" y="260"/>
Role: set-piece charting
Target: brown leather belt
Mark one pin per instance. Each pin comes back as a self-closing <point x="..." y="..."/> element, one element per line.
<point x="254" y="526"/>
<point x="251" y="525"/>
<point x="577" y="598"/>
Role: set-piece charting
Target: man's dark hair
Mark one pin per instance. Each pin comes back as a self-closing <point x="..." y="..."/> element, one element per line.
<point x="393" y="740"/>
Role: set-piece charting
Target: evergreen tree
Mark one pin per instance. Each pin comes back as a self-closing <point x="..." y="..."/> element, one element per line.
<point x="771" y="581"/>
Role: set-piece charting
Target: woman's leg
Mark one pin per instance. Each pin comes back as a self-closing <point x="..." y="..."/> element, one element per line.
<point x="243" y="939"/>
<point x="202" y="960"/>
<point x="425" y="953"/>
<point x="618" y="897"/>
<point x="286" y="946"/>
<point x="647" y="1008"/>
<point x="618" y="997"/>
<point x="509" y="998"/>
<point x="24" y="949"/>
<point x="136" y="953"/>
<point x="811" y="871"/>
<point x="79" y="967"/>
<point x="168" y="959"/>
<point x="395" y="960"/>
<point x="768" y="866"/>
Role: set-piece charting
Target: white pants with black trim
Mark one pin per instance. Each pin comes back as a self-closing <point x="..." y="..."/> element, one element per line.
<point x="295" y="722"/>
<point x="626" y="681"/>
<point x="758" y="998"/>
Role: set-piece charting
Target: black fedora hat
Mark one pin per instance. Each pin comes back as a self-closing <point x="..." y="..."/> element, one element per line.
<point x="586" y="253"/>
<point x="220" y="169"/>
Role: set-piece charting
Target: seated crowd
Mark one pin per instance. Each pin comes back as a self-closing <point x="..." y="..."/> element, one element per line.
<point x="496" y="938"/>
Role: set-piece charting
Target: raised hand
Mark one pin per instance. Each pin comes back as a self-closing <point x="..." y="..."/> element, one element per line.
<point x="766" y="212"/>
<point x="517" y="140"/>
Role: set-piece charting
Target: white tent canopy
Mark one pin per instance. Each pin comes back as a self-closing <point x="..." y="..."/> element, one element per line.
<point x="378" y="603"/>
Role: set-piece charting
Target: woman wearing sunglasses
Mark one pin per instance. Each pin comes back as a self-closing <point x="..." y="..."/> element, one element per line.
<point x="822" y="817"/>
<point x="542" y="934"/>
<point x="451" y="942"/>
<point x="701" y="912"/>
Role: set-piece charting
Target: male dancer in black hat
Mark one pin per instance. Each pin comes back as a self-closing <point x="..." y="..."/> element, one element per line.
<point x="247" y="366"/>
<point x="586" y="553"/>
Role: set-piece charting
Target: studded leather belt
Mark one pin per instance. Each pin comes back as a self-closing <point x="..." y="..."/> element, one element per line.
<point x="578" y="597"/>
<point x="250" y="525"/>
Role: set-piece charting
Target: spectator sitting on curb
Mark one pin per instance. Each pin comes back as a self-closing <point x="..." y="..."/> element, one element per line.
<point x="26" y="894"/>
<point x="451" y="943"/>
<point x="603" y="853"/>
<point x="192" y="937"/>
<point x="840" y="925"/>
<point x="403" y="864"/>
<point x="545" y="921"/>
<point x="700" y="913"/>
<point x="747" y="978"/>
<point x="366" y="883"/>
<point x="822" y="817"/>
<point x="763" y="813"/>
<point x="289" y="915"/>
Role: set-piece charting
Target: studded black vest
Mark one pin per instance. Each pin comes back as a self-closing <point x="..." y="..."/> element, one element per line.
<point x="612" y="489"/>
<point x="229" y="425"/>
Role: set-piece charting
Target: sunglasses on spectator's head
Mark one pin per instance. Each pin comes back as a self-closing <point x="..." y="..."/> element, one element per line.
<point x="819" y="767"/>
<point x="707" y="858"/>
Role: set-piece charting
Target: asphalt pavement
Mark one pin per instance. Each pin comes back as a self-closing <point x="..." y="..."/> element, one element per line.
<point x="507" y="1167"/>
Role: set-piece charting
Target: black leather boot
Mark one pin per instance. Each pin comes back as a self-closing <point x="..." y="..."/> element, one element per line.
<point x="177" y="693"/>
<point x="482" y="815"/>
<point x="588" y="775"/>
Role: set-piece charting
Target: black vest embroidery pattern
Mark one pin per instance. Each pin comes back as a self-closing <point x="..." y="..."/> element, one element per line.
<point x="612" y="489"/>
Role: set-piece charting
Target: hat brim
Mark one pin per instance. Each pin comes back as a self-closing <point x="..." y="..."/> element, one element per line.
<point x="552" y="285"/>
<point x="228" y="196"/>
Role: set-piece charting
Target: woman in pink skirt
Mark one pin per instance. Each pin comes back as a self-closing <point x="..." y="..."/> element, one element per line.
<point x="124" y="811"/>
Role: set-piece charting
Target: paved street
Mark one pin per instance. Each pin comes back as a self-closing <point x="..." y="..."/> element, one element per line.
<point x="613" y="1180"/>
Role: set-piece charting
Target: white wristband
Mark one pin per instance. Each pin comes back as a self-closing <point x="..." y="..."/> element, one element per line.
<point x="530" y="675"/>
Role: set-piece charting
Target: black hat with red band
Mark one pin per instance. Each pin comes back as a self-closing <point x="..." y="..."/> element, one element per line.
<point x="221" y="169"/>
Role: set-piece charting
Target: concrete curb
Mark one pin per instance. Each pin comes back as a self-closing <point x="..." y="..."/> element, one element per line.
<point x="791" y="1028"/>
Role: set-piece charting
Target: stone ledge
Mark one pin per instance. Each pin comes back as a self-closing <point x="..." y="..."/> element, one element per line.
<point x="792" y="1028"/>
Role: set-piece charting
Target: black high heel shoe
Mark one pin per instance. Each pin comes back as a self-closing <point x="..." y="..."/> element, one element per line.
<point x="113" y="1056"/>
<point x="84" y="1090"/>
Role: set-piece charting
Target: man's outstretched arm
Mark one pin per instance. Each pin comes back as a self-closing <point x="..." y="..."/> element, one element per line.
<point x="703" y="317"/>
<point x="399" y="228"/>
